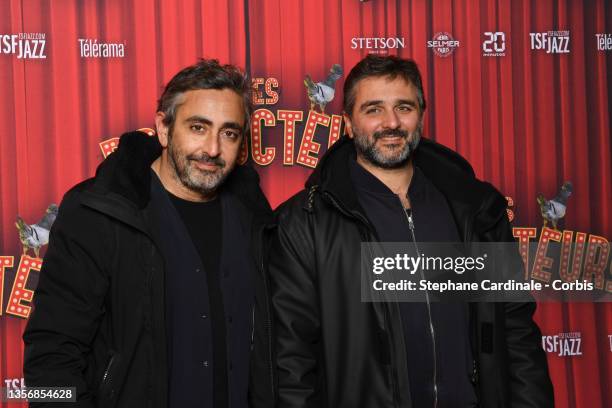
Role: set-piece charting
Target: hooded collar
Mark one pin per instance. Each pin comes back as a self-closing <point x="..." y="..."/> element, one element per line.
<point x="446" y="169"/>
<point x="126" y="172"/>
<point x="124" y="179"/>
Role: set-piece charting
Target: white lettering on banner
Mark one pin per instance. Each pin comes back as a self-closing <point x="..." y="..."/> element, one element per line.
<point x="24" y="45"/>
<point x="604" y="42"/>
<point x="377" y="42"/>
<point x="14" y="383"/>
<point x="553" y="42"/>
<point x="563" y="344"/>
<point x="91" y="48"/>
<point x="494" y="45"/>
<point x="443" y="44"/>
<point x="377" y="45"/>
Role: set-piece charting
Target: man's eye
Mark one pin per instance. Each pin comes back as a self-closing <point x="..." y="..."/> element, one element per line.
<point x="373" y="110"/>
<point x="231" y="134"/>
<point x="404" y="108"/>
<point x="197" y="128"/>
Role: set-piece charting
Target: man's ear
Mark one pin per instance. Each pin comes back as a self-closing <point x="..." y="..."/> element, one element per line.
<point x="348" y="125"/>
<point x="162" y="129"/>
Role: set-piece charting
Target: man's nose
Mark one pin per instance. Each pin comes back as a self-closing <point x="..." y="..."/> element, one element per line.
<point x="391" y="120"/>
<point x="211" y="145"/>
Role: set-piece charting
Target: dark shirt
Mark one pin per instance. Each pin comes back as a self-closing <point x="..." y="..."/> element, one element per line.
<point x="203" y="221"/>
<point x="433" y="222"/>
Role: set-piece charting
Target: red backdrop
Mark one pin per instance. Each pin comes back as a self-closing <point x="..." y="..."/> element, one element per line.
<point x="527" y="120"/>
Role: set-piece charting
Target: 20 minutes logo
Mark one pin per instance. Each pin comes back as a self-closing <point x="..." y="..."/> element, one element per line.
<point x="494" y="44"/>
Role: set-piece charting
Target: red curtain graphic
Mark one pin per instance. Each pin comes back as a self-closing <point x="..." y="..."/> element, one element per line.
<point x="527" y="120"/>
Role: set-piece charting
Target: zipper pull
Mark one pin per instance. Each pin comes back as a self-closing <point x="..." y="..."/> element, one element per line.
<point x="410" y="220"/>
<point x="253" y="327"/>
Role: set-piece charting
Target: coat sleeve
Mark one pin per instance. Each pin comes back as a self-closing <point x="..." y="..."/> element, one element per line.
<point x="530" y="384"/>
<point x="296" y="309"/>
<point x="68" y="304"/>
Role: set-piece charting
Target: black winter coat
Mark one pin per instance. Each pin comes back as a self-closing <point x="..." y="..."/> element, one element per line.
<point x="332" y="349"/>
<point x="98" y="323"/>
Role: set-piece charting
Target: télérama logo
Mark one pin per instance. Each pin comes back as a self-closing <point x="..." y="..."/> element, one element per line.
<point x="24" y="45"/>
<point x="604" y="42"/>
<point x="92" y="48"/>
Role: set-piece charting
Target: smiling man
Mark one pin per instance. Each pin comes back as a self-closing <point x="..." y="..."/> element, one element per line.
<point x="147" y="290"/>
<point x="385" y="183"/>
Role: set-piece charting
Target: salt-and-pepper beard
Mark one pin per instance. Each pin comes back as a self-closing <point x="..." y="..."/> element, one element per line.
<point x="201" y="181"/>
<point x="368" y="150"/>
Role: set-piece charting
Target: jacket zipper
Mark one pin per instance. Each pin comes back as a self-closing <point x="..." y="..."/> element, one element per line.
<point x="252" y="326"/>
<point x="269" y="332"/>
<point x="432" y="330"/>
<point x="107" y="372"/>
<point x="156" y="384"/>
<point x="268" y="318"/>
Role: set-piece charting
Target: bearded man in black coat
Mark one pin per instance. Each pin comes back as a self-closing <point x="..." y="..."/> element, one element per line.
<point x="386" y="183"/>
<point x="147" y="291"/>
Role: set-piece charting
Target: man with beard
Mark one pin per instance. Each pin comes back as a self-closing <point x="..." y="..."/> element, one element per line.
<point x="385" y="183"/>
<point x="147" y="290"/>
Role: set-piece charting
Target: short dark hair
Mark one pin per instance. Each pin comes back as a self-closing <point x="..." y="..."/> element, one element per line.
<point x="206" y="74"/>
<point x="382" y="66"/>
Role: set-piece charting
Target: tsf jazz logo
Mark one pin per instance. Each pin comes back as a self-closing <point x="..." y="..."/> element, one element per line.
<point x="24" y="45"/>
<point x="563" y="344"/>
<point x="553" y="42"/>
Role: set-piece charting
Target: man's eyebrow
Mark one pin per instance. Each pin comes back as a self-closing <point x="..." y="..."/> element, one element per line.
<point x="198" y="118"/>
<point x="410" y="102"/>
<point x="206" y="121"/>
<point x="232" y="125"/>
<point x="367" y="104"/>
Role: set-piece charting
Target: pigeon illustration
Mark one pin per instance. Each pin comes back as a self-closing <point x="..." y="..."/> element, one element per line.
<point x="36" y="235"/>
<point x="553" y="210"/>
<point x="322" y="93"/>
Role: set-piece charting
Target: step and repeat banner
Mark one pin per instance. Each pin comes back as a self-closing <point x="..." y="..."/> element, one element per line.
<point x="521" y="88"/>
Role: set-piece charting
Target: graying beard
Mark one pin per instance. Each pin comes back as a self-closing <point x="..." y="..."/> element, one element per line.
<point x="370" y="154"/>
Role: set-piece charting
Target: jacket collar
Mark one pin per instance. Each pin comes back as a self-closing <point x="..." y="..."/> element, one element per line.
<point x="127" y="172"/>
<point x="448" y="171"/>
<point x="122" y="183"/>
